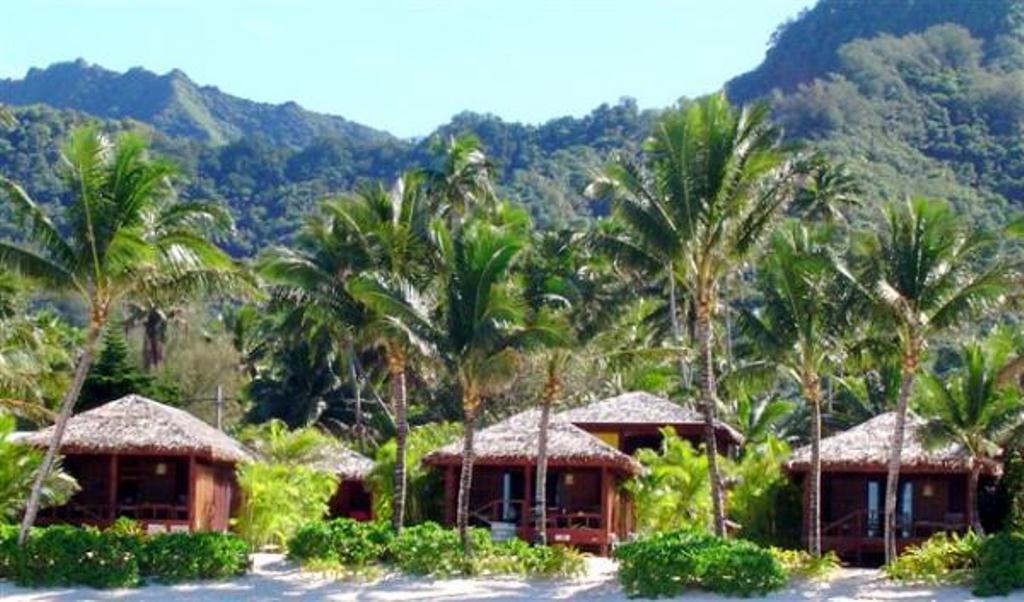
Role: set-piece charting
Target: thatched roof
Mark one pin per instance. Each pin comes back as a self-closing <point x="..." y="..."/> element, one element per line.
<point x="640" y="407"/>
<point x="515" y="440"/>
<point x="137" y="424"/>
<point x="342" y="461"/>
<point x="866" y="447"/>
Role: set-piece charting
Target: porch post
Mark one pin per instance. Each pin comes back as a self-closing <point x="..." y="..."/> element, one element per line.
<point x="112" y="488"/>
<point x="527" y="508"/>
<point x="805" y="528"/>
<point x="606" y="510"/>
<point x="192" y="492"/>
<point x="968" y="505"/>
<point x="449" y="495"/>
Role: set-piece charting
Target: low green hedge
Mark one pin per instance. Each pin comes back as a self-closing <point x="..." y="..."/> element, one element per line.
<point x="179" y="557"/>
<point x="63" y="555"/>
<point x="1000" y="565"/>
<point x="345" y="541"/>
<point x="426" y="549"/>
<point x="667" y="564"/>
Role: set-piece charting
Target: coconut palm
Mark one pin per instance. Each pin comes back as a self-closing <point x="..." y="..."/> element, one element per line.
<point x="922" y="273"/>
<point x="572" y="296"/>
<point x="396" y="224"/>
<point x="126" y="236"/>
<point x="713" y="184"/>
<point x="794" y="329"/>
<point x="483" y="317"/>
<point x="460" y="177"/>
<point x="826" y="190"/>
<point x="970" y="408"/>
<point x="157" y="306"/>
<point x="758" y="417"/>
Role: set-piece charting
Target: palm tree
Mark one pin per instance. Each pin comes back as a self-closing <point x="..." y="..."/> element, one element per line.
<point x="395" y="292"/>
<point x="157" y="306"/>
<point x="460" y="177"/>
<point x="758" y="417"/>
<point x="713" y="185"/>
<point x="924" y="272"/>
<point x="483" y="316"/>
<point x="361" y="270"/>
<point x="114" y="249"/>
<point x="792" y="329"/>
<point x="572" y="296"/>
<point x="826" y="190"/>
<point x="971" y="409"/>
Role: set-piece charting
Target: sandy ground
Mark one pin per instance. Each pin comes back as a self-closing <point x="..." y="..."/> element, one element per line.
<point x="275" y="579"/>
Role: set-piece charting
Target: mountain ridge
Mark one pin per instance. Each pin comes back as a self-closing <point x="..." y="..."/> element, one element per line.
<point x="176" y="105"/>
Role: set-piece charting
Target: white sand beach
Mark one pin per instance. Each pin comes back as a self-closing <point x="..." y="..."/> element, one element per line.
<point x="273" y="579"/>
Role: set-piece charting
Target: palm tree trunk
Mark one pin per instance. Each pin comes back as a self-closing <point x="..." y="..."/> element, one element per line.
<point x="67" y="405"/>
<point x="470" y="405"/>
<point x="677" y="333"/>
<point x="910" y="360"/>
<point x="357" y="389"/>
<point x="396" y="367"/>
<point x="152" y="354"/>
<point x="812" y="392"/>
<point x="972" y="496"/>
<point x="707" y="395"/>
<point x="552" y="389"/>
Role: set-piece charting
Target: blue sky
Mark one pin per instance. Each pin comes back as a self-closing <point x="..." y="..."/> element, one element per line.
<point x="408" y="65"/>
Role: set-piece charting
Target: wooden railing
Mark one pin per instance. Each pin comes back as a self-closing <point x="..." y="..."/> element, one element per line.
<point x="492" y="511"/>
<point x="557" y="518"/>
<point x="860" y="524"/>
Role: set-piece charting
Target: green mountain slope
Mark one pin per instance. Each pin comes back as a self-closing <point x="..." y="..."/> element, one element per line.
<point x="920" y="96"/>
<point x="935" y="108"/>
<point x="175" y="105"/>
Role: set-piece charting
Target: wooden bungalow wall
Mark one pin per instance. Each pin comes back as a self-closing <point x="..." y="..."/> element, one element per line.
<point x="214" y="489"/>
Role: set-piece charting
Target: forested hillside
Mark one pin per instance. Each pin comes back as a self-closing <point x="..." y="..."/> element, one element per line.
<point x="921" y="97"/>
<point x="271" y="169"/>
<point x="918" y="96"/>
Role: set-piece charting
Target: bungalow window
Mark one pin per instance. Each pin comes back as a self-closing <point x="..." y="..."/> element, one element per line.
<point x="906" y="518"/>
<point x="874" y="506"/>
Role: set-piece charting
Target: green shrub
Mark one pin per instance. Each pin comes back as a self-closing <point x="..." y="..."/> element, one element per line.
<point x="430" y="549"/>
<point x="1000" y="565"/>
<point x="348" y="542"/>
<point x="120" y="556"/>
<point x="739" y="568"/>
<point x="313" y="541"/>
<point x="803" y="565"/>
<point x="178" y="557"/>
<point x="65" y="555"/>
<point x="279" y="499"/>
<point x="8" y="550"/>
<point x="666" y="564"/>
<point x="943" y="558"/>
<point x="554" y="562"/>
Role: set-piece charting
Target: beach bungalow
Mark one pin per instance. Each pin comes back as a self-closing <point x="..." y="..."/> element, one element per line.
<point x="352" y="499"/>
<point x="140" y="459"/>
<point x="585" y="508"/>
<point x="634" y="420"/>
<point x="933" y="494"/>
